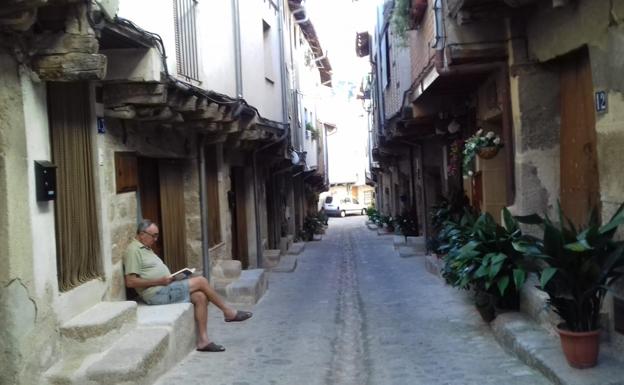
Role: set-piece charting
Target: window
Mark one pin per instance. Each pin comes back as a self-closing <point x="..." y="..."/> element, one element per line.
<point x="186" y="38"/>
<point x="269" y="74"/>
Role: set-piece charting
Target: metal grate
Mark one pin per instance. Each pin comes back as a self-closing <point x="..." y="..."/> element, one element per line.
<point x="186" y="38"/>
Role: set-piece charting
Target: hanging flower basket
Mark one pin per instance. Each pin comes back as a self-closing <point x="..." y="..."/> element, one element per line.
<point x="488" y="152"/>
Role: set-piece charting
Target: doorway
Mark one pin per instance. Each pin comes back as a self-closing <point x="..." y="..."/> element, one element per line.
<point x="238" y="212"/>
<point x="161" y="200"/>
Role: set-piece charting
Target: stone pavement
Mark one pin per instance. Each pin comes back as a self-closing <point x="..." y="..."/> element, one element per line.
<point x="353" y="312"/>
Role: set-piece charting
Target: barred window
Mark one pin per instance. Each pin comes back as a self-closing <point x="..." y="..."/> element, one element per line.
<point x="186" y="38"/>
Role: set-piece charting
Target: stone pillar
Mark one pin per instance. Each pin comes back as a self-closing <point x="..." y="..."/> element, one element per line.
<point x="17" y="308"/>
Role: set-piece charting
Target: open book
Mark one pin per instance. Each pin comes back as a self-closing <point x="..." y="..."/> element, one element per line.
<point x="183" y="273"/>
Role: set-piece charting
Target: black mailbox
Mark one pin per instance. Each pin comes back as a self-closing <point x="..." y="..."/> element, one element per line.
<point x="45" y="180"/>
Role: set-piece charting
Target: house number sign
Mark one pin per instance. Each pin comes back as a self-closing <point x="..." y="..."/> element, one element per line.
<point x="601" y="101"/>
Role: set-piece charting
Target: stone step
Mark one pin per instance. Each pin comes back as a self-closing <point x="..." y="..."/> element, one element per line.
<point x="135" y="358"/>
<point x="418" y="243"/>
<point x="283" y="245"/>
<point x="179" y="319"/>
<point x="227" y="269"/>
<point x="288" y="264"/>
<point x="97" y="328"/>
<point x="317" y="237"/>
<point x="296" y="248"/>
<point x="248" y="289"/>
<point x="271" y="258"/>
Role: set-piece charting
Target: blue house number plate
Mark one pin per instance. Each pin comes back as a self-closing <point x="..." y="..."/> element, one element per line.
<point x="601" y="101"/>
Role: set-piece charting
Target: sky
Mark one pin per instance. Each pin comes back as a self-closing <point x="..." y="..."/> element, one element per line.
<point x="336" y="23"/>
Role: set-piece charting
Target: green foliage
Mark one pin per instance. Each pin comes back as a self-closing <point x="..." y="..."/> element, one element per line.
<point x="314" y="132"/>
<point x="312" y="224"/>
<point x="401" y="22"/>
<point x="472" y="146"/>
<point x="407" y="224"/>
<point x="580" y="265"/>
<point x="494" y="259"/>
<point x="373" y="214"/>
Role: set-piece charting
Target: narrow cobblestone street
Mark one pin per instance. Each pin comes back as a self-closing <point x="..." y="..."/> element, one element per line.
<point x="354" y="312"/>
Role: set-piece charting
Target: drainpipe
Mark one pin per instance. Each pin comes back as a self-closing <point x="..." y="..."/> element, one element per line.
<point x="237" y="49"/>
<point x="203" y="208"/>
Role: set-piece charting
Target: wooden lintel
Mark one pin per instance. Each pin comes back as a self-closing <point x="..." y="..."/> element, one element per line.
<point x="116" y="94"/>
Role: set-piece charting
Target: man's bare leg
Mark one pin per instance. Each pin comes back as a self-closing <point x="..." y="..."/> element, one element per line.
<point x="200" y="304"/>
<point x="201" y="284"/>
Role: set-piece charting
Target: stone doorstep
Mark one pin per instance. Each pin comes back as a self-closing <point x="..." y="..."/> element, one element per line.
<point x="541" y="350"/>
<point x="99" y="320"/>
<point x="227" y="269"/>
<point x="134" y="358"/>
<point x="418" y="242"/>
<point x="433" y="265"/>
<point x="406" y="251"/>
<point x="383" y="231"/>
<point x="96" y="329"/>
<point x="296" y="248"/>
<point x="283" y="245"/>
<point x="174" y="324"/>
<point x="248" y="289"/>
<point x="288" y="264"/>
<point x="317" y="237"/>
<point x="271" y="258"/>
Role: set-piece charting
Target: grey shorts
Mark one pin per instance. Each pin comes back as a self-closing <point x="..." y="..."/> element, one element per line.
<point x="175" y="292"/>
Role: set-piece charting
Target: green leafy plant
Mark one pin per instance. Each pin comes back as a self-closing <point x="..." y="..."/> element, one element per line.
<point x="407" y="224"/>
<point x="474" y="144"/>
<point x="312" y="224"/>
<point x="495" y="259"/>
<point x="579" y="265"/>
<point x="401" y="22"/>
<point x="314" y="132"/>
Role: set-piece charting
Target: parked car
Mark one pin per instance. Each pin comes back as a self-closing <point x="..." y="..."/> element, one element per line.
<point x="342" y="206"/>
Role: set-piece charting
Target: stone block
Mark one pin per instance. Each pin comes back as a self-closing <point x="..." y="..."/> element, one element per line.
<point x="283" y="245"/>
<point x="133" y="359"/>
<point x="288" y="264"/>
<point x="271" y="258"/>
<point x="296" y="248"/>
<point x="227" y="269"/>
<point x="249" y="288"/>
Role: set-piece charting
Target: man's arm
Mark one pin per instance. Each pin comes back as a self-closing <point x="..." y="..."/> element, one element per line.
<point x="135" y="282"/>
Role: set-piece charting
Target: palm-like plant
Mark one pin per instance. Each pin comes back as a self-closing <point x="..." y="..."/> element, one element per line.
<point x="580" y="265"/>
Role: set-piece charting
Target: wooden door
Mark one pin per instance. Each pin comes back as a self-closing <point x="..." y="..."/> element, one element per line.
<point x="161" y="199"/>
<point x="149" y="195"/>
<point x="578" y="162"/>
<point x="238" y="212"/>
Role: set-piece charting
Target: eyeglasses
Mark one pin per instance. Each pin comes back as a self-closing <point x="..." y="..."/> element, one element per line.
<point x="155" y="236"/>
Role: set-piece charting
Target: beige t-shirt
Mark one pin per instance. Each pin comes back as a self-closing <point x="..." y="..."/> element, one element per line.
<point x="142" y="261"/>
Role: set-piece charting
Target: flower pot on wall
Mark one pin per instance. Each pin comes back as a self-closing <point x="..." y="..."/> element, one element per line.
<point x="487" y="152"/>
<point x="580" y="348"/>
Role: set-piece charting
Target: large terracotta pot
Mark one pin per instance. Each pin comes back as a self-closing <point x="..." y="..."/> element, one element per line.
<point x="580" y="348"/>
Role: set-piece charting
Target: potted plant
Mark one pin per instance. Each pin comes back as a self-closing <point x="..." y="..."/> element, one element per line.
<point x="485" y="145"/>
<point x="495" y="260"/>
<point x="579" y="266"/>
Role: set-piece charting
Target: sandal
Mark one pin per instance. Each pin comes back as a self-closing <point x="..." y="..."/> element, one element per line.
<point x="211" y="347"/>
<point x="240" y="316"/>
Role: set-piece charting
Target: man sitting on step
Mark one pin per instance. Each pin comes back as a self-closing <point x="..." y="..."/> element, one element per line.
<point x="151" y="278"/>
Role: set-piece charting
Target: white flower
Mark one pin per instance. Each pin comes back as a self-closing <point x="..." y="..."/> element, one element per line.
<point x="497" y="141"/>
<point x="490" y="135"/>
<point x="470" y="173"/>
<point x="479" y="132"/>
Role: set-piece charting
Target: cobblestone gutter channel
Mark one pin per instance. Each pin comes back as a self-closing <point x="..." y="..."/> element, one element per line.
<point x="349" y="363"/>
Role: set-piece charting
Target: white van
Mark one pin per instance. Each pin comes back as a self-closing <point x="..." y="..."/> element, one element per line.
<point x="342" y="206"/>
